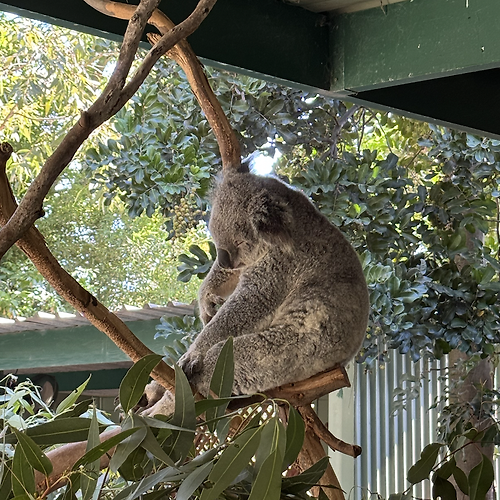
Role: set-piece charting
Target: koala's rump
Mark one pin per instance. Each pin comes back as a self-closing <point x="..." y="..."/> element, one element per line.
<point x="326" y="326"/>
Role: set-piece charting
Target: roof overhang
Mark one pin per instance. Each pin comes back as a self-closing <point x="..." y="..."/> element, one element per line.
<point x="433" y="59"/>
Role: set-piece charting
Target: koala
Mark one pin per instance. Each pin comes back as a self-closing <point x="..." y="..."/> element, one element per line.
<point x="286" y="285"/>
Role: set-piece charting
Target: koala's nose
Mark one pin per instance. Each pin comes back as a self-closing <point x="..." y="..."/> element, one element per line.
<point x="224" y="259"/>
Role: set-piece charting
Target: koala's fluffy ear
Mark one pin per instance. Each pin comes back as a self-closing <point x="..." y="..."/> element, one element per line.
<point x="271" y="218"/>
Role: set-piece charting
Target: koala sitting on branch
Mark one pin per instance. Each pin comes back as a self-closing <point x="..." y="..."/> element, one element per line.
<point x="286" y="285"/>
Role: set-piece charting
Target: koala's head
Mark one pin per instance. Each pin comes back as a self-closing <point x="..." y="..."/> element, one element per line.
<point x="249" y="215"/>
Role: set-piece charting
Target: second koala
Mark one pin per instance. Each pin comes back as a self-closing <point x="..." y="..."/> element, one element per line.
<point x="286" y="285"/>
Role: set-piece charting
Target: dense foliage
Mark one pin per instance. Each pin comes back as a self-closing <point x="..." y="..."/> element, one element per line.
<point x="154" y="457"/>
<point x="48" y="76"/>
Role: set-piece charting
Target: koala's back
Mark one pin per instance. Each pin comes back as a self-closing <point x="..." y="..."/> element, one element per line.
<point x="328" y="297"/>
<point x="286" y="285"/>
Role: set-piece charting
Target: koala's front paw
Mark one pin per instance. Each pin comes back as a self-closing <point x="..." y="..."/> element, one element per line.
<point x="209" y="304"/>
<point x="191" y="362"/>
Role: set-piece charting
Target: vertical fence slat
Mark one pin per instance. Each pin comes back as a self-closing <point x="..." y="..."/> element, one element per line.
<point x="392" y="442"/>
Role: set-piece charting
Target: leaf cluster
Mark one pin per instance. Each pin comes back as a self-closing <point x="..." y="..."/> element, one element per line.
<point x="194" y="453"/>
<point x="444" y="472"/>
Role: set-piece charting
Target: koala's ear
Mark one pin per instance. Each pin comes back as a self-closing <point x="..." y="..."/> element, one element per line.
<point x="271" y="218"/>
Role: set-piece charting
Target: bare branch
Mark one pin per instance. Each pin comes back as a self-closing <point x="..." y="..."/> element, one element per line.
<point x="312" y="451"/>
<point x="313" y="421"/>
<point x="33" y="245"/>
<point x="114" y="96"/>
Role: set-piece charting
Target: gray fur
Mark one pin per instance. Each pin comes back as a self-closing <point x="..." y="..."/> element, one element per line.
<point x="286" y="285"/>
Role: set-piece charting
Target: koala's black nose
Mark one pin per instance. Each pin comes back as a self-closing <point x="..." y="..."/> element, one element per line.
<point x="224" y="259"/>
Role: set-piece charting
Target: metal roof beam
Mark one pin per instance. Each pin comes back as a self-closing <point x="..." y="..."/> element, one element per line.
<point x="262" y="38"/>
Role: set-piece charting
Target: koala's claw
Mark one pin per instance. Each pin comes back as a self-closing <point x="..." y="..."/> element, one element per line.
<point x="191" y="363"/>
<point x="209" y="306"/>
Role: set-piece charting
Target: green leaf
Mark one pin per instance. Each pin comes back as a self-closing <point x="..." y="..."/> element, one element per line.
<point x="443" y="489"/>
<point x="134" y="382"/>
<point x="422" y="468"/>
<point x="137" y="489"/>
<point x="223" y="377"/>
<point x="180" y="442"/>
<point x="446" y="469"/>
<point x="307" y="479"/>
<point x="295" y="432"/>
<point x="71" y="399"/>
<point x="98" y="451"/>
<point x="151" y="444"/>
<point x="193" y="481"/>
<point x="23" y="475"/>
<point x="77" y="410"/>
<point x="480" y="479"/>
<point x="461" y="480"/>
<point x="88" y="479"/>
<point x="60" y="431"/>
<point x="221" y="383"/>
<point x="232" y="461"/>
<point x="267" y="484"/>
<point x="93" y="440"/>
<point x="206" y="404"/>
<point x="273" y="437"/>
<point x="129" y="444"/>
<point x="6" y="480"/>
<point x="34" y="455"/>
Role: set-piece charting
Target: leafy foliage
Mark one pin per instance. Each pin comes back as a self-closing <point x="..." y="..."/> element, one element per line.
<point x="475" y="484"/>
<point x="179" y="333"/>
<point x="164" y="456"/>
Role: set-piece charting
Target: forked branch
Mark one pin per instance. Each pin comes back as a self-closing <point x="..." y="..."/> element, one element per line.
<point x="112" y="99"/>
<point x="183" y="54"/>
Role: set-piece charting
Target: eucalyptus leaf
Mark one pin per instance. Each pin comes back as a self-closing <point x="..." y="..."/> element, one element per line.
<point x="135" y="380"/>
<point x="423" y="467"/>
<point x="23" y="475"/>
<point x="180" y="442"/>
<point x="98" y="451"/>
<point x="34" y="455"/>
<point x="232" y="461"/>
<point x="193" y="481"/>
<point x="307" y="479"/>
<point x="443" y="489"/>
<point x="295" y="432"/>
<point x="221" y="383"/>
<point x="59" y="431"/>
<point x="70" y="400"/>
<point x="480" y="479"/>
<point x="267" y="484"/>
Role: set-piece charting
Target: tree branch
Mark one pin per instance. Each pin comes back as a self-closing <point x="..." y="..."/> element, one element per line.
<point x="33" y="245"/>
<point x="314" y="422"/>
<point x="183" y="54"/>
<point x="113" y="97"/>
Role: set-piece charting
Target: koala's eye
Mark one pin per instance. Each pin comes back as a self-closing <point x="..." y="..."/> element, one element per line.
<point x="239" y="243"/>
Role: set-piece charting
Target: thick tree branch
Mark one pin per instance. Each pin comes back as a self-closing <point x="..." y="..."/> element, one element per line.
<point x="312" y="451"/>
<point x="33" y="245"/>
<point x="114" y="96"/>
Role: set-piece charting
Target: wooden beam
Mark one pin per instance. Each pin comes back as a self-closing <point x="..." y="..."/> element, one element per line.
<point x="414" y="41"/>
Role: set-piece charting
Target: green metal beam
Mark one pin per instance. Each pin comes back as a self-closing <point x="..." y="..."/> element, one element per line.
<point x="100" y="380"/>
<point x="65" y="347"/>
<point x="414" y="41"/>
<point x="258" y="37"/>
